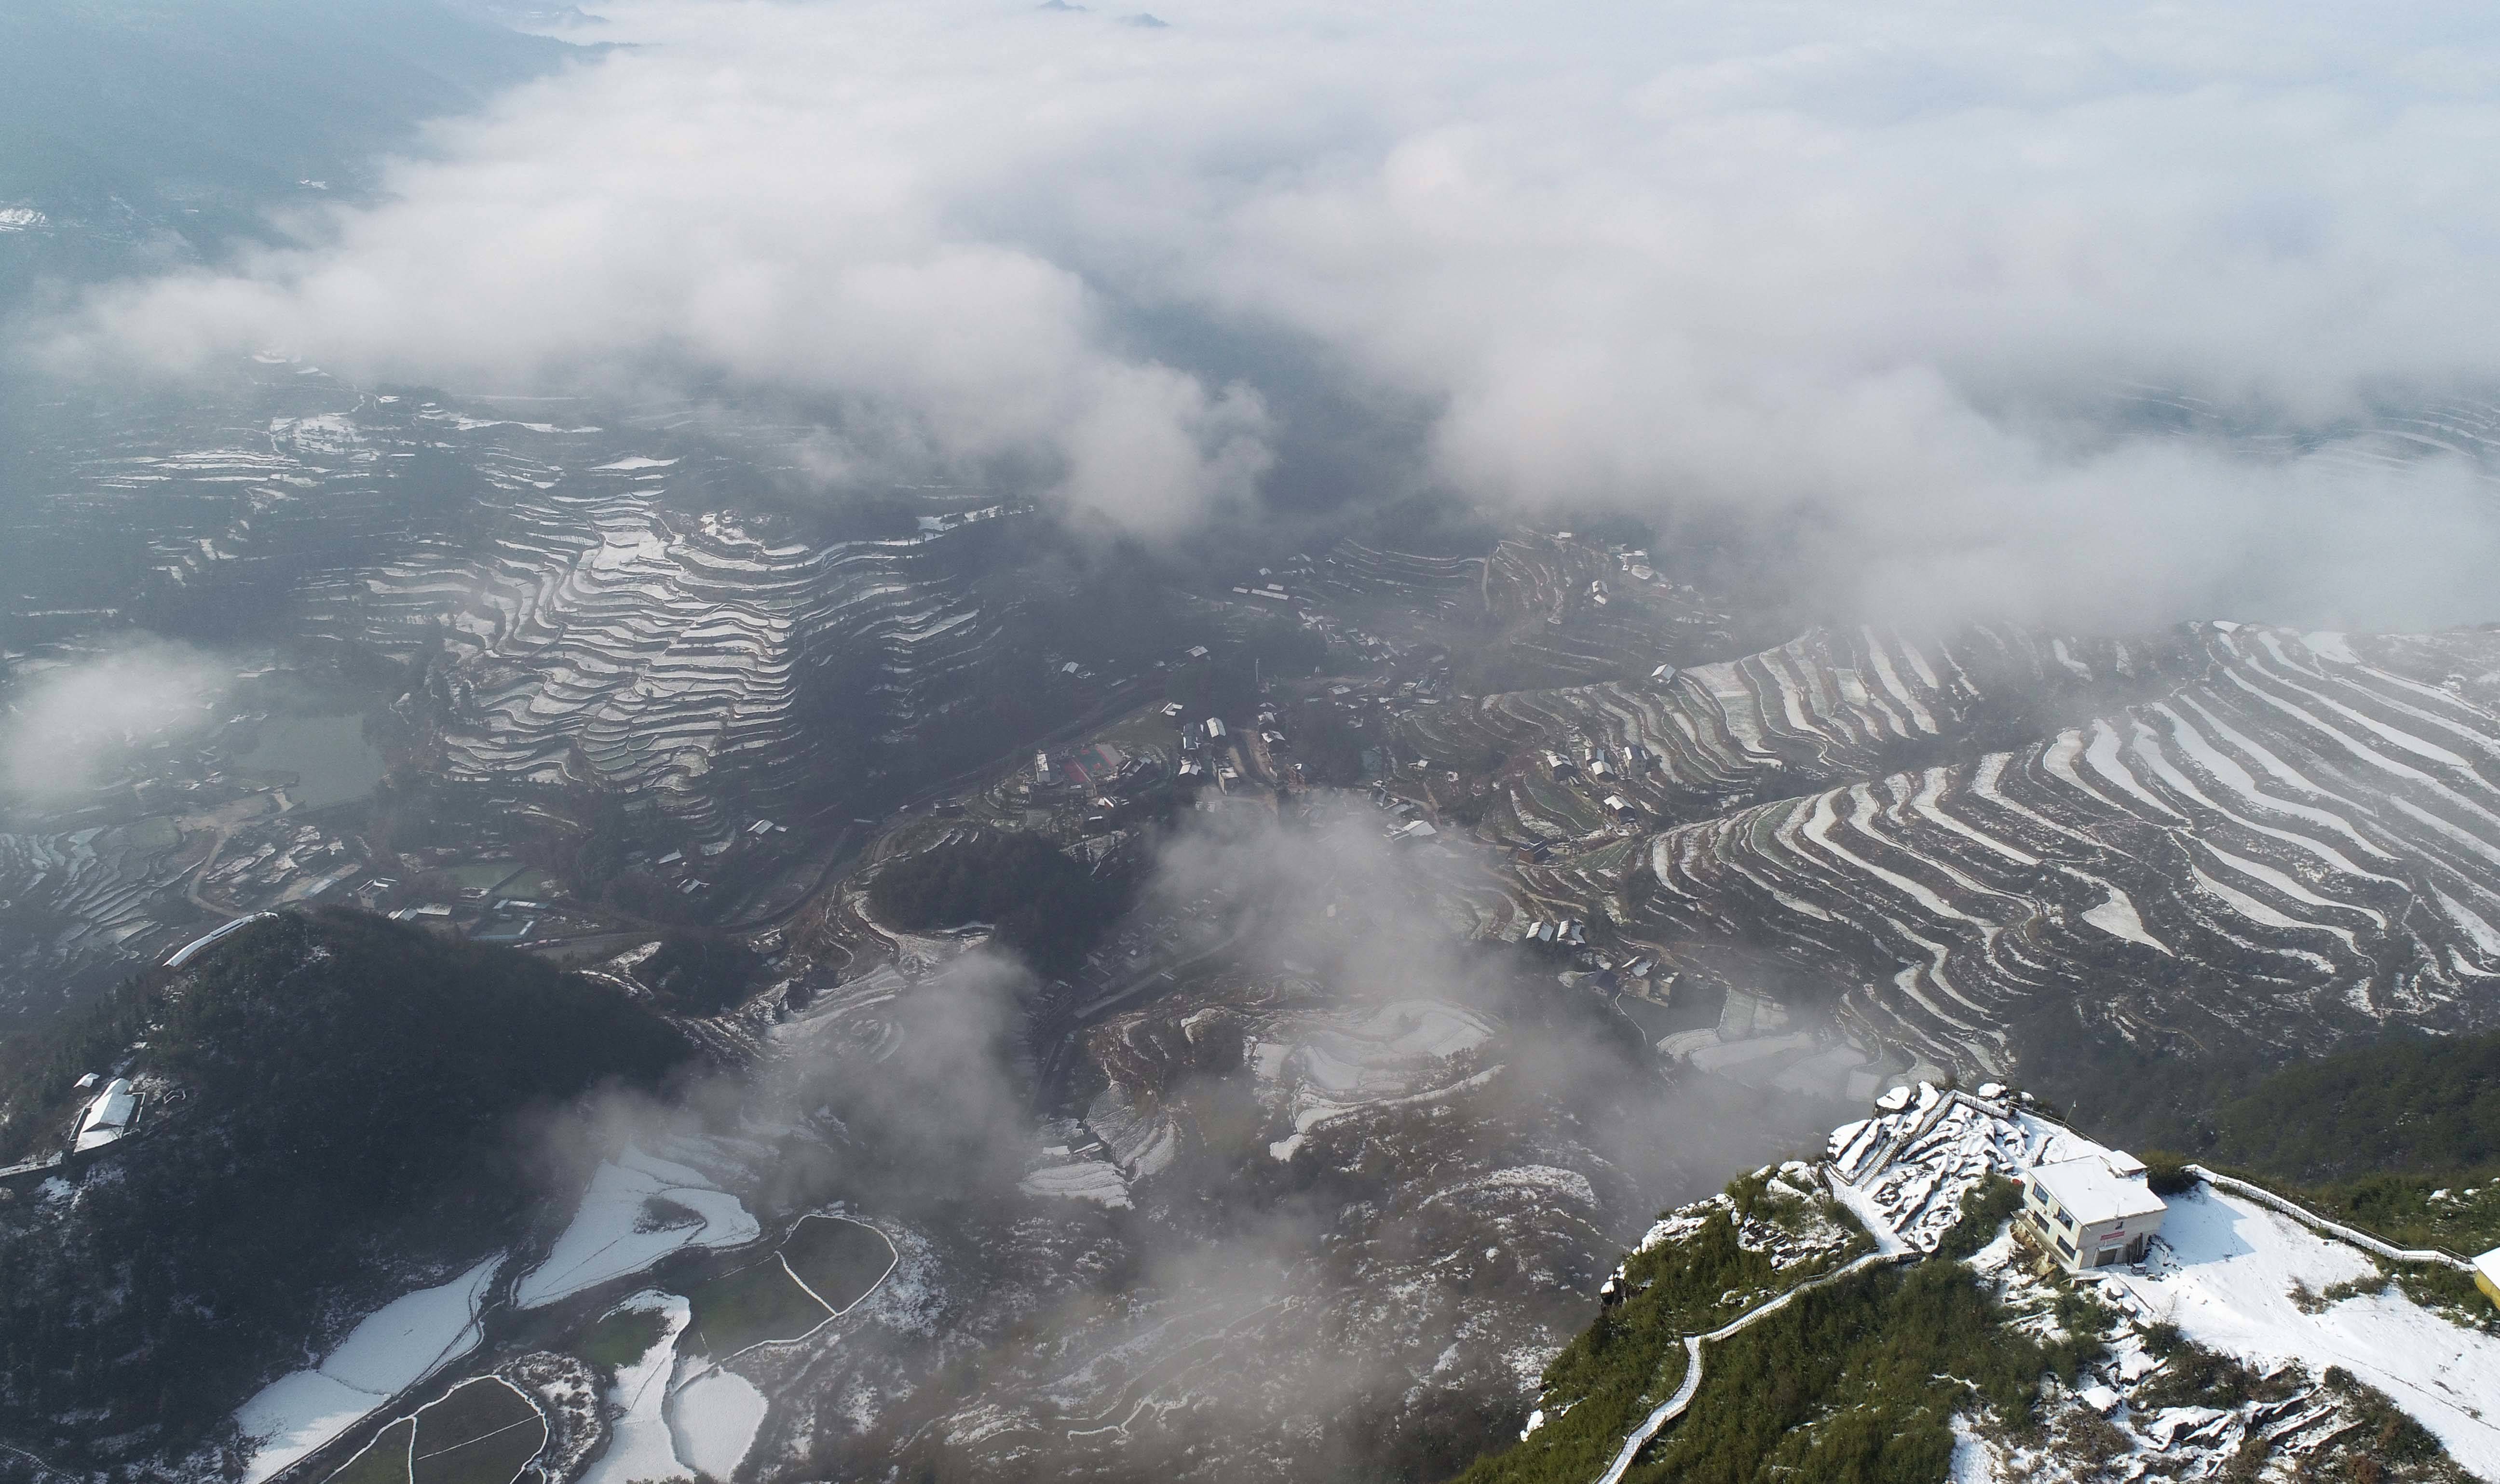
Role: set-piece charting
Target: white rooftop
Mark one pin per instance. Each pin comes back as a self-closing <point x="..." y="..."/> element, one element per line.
<point x="2488" y="1265"/>
<point x="2098" y="1187"/>
<point x="108" y="1116"/>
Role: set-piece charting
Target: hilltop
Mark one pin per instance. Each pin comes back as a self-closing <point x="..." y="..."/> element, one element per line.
<point x="1883" y="1315"/>
<point x="333" y="1103"/>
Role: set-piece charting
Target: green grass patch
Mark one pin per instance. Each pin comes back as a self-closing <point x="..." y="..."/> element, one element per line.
<point x="480" y="875"/>
<point x="2451" y="1293"/>
<point x="1854" y="1384"/>
<point x="622" y="1338"/>
<point x="749" y="1306"/>
<point x="840" y="1260"/>
<point x="383" y="1461"/>
<point x="483" y="1433"/>
<point x="2399" y="1208"/>
<point x="2409" y="1103"/>
<point x="533" y="885"/>
<point x="2397" y="1446"/>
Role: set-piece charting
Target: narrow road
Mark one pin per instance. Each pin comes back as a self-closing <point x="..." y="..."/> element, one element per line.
<point x="1673" y="1407"/>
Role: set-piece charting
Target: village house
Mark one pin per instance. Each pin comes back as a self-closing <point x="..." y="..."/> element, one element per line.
<point x="108" y="1116"/>
<point x="2093" y="1211"/>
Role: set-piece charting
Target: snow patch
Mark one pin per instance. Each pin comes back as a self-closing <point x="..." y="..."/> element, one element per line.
<point x="604" y="1243"/>
<point x="640" y="1448"/>
<point x="2227" y="1285"/>
<point x="394" y="1347"/>
<point x="2117" y="915"/>
<point x="713" y="1419"/>
<point x="1975" y="1460"/>
<point x="1087" y="1179"/>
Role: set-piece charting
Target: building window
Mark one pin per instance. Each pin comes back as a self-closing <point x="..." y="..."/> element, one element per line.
<point x="2067" y="1248"/>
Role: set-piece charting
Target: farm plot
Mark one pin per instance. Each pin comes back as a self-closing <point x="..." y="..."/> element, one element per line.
<point x="529" y="886"/>
<point x="824" y="1267"/>
<point x="383" y="1461"/>
<point x="482" y="1431"/>
<point x="751" y="1307"/>
<point x="841" y="1261"/>
<point x="621" y="1337"/>
<point x="482" y="876"/>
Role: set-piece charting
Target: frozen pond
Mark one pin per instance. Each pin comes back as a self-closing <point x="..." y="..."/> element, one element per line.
<point x="638" y="1209"/>
<point x="329" y="756"/>
<point x="395" y="1347"/>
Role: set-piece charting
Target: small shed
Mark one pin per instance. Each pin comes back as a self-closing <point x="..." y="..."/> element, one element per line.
<point x="2486" y="1274"/>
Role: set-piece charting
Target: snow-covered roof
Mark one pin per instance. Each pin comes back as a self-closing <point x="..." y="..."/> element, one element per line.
<point x="192" y="949"/>
<point x="2488" y="1265"/>
<point x="2097" y="1188"/>
<point x="107" y="1114"/>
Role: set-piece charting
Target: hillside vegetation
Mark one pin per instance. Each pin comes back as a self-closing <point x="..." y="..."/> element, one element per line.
<point x="2401" y="1139"/>
<point x="2408" y="1104"/>
<point x="352" y="1087"/>
<point x="1043" y="905"/>
<point x="1855" y="1383"/>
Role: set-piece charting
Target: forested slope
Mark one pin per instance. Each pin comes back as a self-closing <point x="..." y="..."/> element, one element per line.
<point x="339" y="1116"/>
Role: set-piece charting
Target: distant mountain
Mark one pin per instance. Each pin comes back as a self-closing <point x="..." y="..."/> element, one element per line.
<point x="148" y="120"/>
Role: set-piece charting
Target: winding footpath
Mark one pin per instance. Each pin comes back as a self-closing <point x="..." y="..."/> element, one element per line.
<point x="1889" y="1249"/>
<point x="1673" y="1407"/>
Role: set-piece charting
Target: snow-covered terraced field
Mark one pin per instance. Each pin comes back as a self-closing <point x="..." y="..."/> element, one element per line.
<point x="1570" y="611"/>
<point x="608" y="639"/>
<point x="2296" y="841"/>
<point x="77" y="905"/>
<point x="1823" y="706"/>
<point x="1576" y="613"/>
<point x="2223" y="833"/>
<point x="1353" y="570"/>
<point x="603" y="613"/>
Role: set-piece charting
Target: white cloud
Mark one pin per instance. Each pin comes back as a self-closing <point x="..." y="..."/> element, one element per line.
<point x="63" y="729"/>
<point x="1863" y="275"/>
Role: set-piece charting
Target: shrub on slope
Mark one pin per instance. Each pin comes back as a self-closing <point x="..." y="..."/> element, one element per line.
<point x="702" y="974"/>
<point x="353" y="1089"/>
